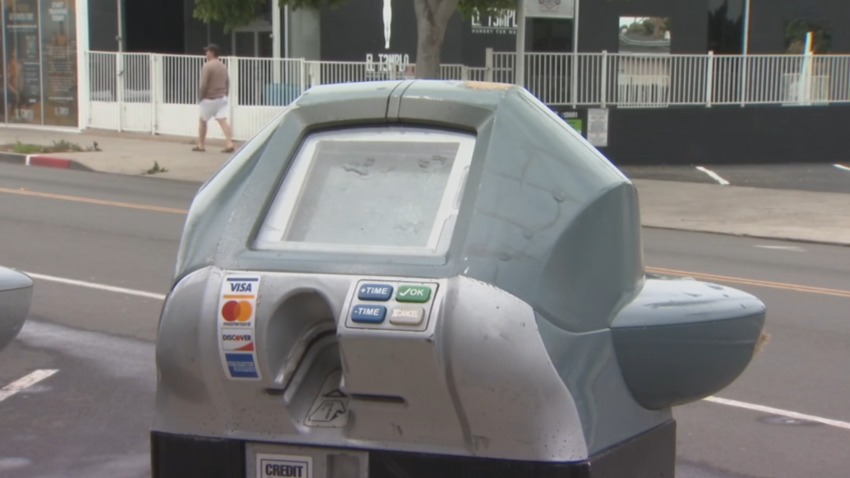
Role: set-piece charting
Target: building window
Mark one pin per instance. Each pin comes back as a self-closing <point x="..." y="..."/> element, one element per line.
<point x="645" y="35"/>
<point x="795" y="36"/>
<point x="550" y="35"/>
<point x="726" y="26"/>
<point x="643" y="68"/>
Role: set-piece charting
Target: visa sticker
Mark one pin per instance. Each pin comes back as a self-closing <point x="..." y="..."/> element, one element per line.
<point x="237" y="309"/>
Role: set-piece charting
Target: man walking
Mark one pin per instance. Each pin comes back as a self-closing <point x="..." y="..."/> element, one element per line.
<point x="215" y="87"/>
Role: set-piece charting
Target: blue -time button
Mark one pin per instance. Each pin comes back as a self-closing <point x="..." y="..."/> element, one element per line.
<point x="370" y="314"/>
<point x="375" y="292"/>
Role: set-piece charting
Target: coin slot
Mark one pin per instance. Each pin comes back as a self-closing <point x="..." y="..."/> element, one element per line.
<point x="382" y="399"/>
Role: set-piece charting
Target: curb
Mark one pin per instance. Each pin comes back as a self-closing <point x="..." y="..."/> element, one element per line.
<point x="752" y="236"/>
<point x="41" y="160"/>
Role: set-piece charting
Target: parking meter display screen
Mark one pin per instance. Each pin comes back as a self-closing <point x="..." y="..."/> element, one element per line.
<point x="392" y="189"/>
<point x="385" y="193"/>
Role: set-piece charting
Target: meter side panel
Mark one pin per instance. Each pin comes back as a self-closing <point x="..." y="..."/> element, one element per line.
<point x="552" y="221"/>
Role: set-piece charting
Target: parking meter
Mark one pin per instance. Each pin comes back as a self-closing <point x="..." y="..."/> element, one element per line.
<point x="420" y="279"/>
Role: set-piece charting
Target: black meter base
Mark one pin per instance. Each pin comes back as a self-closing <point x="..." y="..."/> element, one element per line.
<point x="651" y="454"/>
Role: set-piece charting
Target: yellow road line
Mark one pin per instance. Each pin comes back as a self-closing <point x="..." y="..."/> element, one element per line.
<point x="103" y="202"/>
<point x="755" y="282"/>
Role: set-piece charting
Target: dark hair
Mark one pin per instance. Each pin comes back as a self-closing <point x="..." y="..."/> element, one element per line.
<point x="212" y="47"/>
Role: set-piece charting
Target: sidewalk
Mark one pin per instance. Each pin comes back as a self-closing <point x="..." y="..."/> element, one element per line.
<point x="766" y="213"/>
<point x="130" y="153"/>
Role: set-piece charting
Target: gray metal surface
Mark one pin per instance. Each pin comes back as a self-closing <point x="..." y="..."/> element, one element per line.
<point x="16" y="291"/>
<point x="458" y="387"/>
<point x="682" y="340"/>
<point x="521" y="356"/>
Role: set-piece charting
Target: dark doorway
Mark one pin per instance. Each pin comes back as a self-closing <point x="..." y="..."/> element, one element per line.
<point x="153" y="26"/>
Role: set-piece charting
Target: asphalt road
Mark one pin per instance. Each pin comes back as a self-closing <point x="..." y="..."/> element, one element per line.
<point x="90" y="419"/>
<point x="816" y="177"/>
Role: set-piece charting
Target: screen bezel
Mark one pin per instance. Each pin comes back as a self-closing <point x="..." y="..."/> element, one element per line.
<point x="279" y="216"/>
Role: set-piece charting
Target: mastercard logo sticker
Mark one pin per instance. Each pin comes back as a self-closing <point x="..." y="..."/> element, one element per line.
<point x="237" y="311"/>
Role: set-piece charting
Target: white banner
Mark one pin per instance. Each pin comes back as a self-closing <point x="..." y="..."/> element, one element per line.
<point x="550" y="8"/>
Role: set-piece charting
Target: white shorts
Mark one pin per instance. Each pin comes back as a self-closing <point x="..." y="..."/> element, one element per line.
<point x="216" y="108"/>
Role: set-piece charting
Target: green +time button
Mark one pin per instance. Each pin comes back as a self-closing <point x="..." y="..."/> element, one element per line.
<point x="413" y="293"/>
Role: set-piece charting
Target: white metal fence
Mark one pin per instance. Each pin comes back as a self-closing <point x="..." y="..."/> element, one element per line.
<point x="645" y="81"/>
<point x="158" y="93"/>
<point x="141" y="92"/>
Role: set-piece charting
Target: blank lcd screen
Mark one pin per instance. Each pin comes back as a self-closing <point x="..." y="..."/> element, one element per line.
<point x="372" y="190"/>
<point x="373" y="194"/>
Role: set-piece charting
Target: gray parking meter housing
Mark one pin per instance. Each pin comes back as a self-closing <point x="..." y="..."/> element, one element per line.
<point x="540" y="346"/>
<point x="16" y="289"/>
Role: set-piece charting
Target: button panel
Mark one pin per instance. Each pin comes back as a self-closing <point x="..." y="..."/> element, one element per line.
<point x="391" y="305"/>
<point x="368" y="314"/>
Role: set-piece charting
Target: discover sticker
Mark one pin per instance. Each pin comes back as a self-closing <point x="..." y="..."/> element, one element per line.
<point x="236" y="324"/>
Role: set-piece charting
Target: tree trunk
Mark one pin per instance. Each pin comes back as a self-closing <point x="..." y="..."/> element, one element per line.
<point x="432" y="18"/>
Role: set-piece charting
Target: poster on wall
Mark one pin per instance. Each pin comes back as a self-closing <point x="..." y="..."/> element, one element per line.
<point x="39" y="60"/>
<point x="58" y="40"/>
<point x="387" y="64"/>
<point x="23" y="61"/>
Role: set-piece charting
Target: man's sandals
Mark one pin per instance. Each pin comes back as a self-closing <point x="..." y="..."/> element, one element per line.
<point x="199" y="149"/>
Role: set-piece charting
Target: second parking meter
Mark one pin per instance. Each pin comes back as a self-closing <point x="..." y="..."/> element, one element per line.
<point x="420" y="279"/>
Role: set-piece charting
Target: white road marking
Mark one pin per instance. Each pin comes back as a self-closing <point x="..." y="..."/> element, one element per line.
<point x="777" y="411"/>
<point x="713" y="176"/>
<point x="103" y="287"/>
<point x="783" y="248"/>
<point x="24" y="383"/>
<point x="841" y="166"/>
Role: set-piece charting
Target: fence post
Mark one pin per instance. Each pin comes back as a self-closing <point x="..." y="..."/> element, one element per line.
<point x="155" y="76"/>
<point x="806" y="80"/>
<point x="464" y="73"/>
<point x="604" y="77"/>
<point x="745" y="60"/>
<point x="574" y="78"/>
<point x="709" y="80"/>
<point x="119" y="88"/>
<point x="302" y="77"/>
<point x="84" y="88"/>
<point x="315" y="73"/>
<point x="488" y="65"/>
<point x="233" y="72"/>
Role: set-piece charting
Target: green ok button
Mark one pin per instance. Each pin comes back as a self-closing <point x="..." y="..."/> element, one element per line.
<point x="413" y="293"/>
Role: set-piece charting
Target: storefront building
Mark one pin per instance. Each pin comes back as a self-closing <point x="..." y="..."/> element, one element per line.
<point x="45" y="41"/>
<point x="41" y="44"/>
<point x="357" y="29"/>
<point x="39" y="62"/>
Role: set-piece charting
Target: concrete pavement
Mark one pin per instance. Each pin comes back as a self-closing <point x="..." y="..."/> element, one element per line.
<point x="101" y="341"/>
<point x="786" y="213"/>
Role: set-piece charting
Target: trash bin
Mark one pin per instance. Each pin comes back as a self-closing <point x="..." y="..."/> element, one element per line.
<point x="426" y="278"/>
